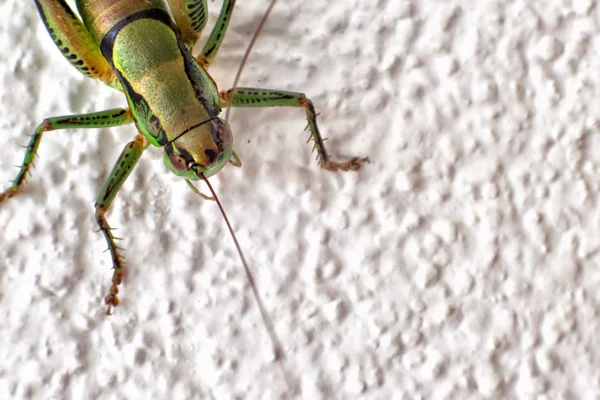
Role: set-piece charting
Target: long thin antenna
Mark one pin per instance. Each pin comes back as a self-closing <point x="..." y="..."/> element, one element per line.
<point x="279" y="353"/>
<point x="236" y="80"/>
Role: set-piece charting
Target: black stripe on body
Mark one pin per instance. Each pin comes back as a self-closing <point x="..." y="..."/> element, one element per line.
<point x="141" y="107"/>
<point x="194" y="72"/>
<point x="198" y="78"/>
<point x="138" y="102"/>
<point x="108" y="41"/>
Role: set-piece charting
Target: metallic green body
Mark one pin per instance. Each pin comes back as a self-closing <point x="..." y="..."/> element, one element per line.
<point x="167" y="90"/>
<point x="135" y="46"/>
<point x="156" y="75"/>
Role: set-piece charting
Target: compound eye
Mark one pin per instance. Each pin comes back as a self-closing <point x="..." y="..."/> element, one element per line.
<point x="211" y="155"/>
<point x="222" y="136"/>
<point x="178" y="162"/>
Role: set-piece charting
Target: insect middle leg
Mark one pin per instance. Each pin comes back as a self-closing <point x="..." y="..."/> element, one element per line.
<point x="190" y="17"/>
<point x="251" y="97"/>
<point x="211" y="47"/>
<point x="102" y="119"/>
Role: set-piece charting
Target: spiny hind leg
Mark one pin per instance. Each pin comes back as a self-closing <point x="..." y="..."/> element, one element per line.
<point x="121" y="170"/>
<point x="74" y="41"/>
<point x="250" y="97"/>
<point x="190" y="18"/>
<point x="102" y="119"/>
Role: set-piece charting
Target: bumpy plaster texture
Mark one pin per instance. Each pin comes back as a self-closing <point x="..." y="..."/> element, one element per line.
<point x="461" y="263"/>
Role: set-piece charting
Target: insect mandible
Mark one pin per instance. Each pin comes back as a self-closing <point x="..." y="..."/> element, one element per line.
<point x="143" y="48"/>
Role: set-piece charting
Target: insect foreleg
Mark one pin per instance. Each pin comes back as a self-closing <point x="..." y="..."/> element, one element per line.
<point x="235" y="160"/>
<point x="199" y="193"/>
<point x="250" y="97"/>
<point x="121" y="170"/>
<point x="102" y="119"/>
<point x="211" y="47"/>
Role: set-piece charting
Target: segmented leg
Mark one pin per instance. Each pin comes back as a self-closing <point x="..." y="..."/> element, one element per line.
<point x="211" y="47"/>
<point x="235" y="160"/>
<point x="121" y="170"/>
<point x="250" y="97"/>
<point x="199" y="193"/>
<point x="74" y="41"/>
<point x="102" y="119"/>
<point x="190" y="17"/>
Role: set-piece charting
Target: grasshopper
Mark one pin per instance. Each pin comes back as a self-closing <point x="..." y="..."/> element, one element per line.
<point x="143" y="48"/>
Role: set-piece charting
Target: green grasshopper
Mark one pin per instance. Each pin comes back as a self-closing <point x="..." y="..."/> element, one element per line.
<point x="143" y="48"/>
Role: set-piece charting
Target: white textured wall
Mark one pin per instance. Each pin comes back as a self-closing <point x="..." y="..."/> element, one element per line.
<point x="462" y="263"/>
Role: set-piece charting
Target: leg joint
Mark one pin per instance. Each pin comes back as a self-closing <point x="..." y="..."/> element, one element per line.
<point x="47" y="124"/>
<point x="100" y="211"/>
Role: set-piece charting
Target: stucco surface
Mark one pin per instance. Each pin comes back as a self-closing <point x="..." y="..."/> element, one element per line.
<point x="462" y="263"/>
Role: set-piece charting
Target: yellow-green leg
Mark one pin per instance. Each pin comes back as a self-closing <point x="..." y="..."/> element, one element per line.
<point x="74" y="41"/>
<point x="102" y="119"/>
<point x="121" y="170"/>
<point x="251" y="97"/>
<point x="211" y="47"/>
<point x="190" y="17"/>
